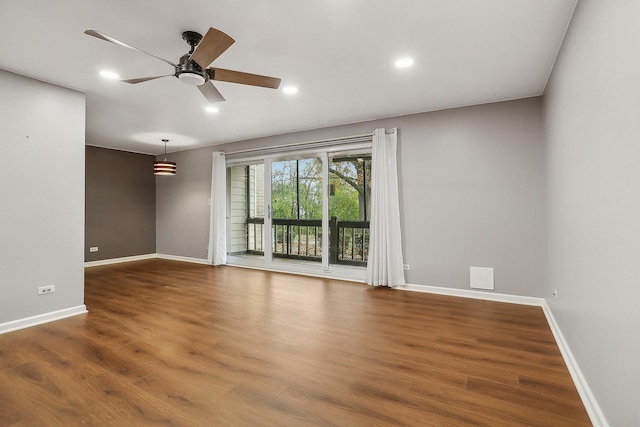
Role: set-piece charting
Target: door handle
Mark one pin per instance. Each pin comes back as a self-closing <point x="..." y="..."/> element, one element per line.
<point x="269" y="211"/>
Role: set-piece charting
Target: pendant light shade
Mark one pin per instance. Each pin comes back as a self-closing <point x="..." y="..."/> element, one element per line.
<point x="163" y="167"/>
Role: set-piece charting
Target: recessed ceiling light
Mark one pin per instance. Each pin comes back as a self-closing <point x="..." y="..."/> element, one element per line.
<point x="109" y="75"/>
<point x="404" y="62"/>
<point x="290" y="90"/>
<point x="212" y="109"/>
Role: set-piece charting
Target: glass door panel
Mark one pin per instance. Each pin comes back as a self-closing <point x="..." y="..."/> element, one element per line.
<point x="296" y="200"/>
<point x="246" y="209"/>
<point x="349" y="208"/>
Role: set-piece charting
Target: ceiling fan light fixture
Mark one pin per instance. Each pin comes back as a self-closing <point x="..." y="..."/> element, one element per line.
<point x="192" y="79"/>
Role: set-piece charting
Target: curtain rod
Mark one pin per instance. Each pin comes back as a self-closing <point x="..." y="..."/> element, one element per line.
<point x="308" y="143"/>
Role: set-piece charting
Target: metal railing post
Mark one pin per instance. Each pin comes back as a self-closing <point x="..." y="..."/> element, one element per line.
<point x="333" y="240"/>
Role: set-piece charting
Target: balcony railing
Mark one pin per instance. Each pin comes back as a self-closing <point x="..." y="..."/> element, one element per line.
<point x="302" y="239"/>
<point x="349" y="242"/>
<point x="297" y="238"/>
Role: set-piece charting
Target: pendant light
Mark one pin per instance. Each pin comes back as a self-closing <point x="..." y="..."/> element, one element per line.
<point x="164" y="167"/>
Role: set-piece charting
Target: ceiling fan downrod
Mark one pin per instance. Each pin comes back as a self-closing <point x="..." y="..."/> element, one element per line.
<point x="193" y="38"/>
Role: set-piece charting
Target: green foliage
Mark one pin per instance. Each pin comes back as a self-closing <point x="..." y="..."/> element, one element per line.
<point x="344" y="202"/>
<point x="283" y="190"/>
<point x="285" y="185"/>
<point x="345" y="177"/>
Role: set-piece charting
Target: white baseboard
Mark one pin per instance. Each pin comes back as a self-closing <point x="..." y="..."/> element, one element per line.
<point x="143" y="257"/>
<point x="27" y="322"/>
<point x="466" y="293"/>
<point x="183" y="259"/>
<point x="119" y="260"/>
<point x="588" y="399"/>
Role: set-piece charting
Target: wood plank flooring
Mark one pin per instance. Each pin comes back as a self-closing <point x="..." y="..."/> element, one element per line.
<point x="167" y="343"/>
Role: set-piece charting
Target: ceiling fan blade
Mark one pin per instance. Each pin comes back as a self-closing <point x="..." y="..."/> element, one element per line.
<point x="144" y="79"/>
<point x="105" y="37"/>
<point x="239" y="77"/>
<point x="210" y="92"/>
<point x="214" y="43"/>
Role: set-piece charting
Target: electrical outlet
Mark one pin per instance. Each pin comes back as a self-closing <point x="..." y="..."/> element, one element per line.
<point x="406" y="266"/>
<point x="46" y="289"/>
<point x="555" y="293"/>
<point x="93" y="249"/>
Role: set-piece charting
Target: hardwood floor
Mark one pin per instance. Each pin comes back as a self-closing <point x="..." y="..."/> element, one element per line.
<point x="175" y="344"/>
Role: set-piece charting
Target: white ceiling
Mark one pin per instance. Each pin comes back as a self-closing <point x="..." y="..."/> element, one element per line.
<point x="339" y="53"/>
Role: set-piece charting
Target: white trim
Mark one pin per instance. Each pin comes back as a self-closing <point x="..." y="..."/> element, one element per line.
<point x="39" y="319"/>
<point x="119" y="260"/>
<point x="144" y="257"/>
<point x="267" y="234"/>
<point x="588" y="399"/>
<point x="347" y="273"/>
<point x="324" y="157"/>
<point x="294" y="154"/>
<point x="183" y="259"/>
<point x="331" y="144"/>
<point x="465" y="293"/>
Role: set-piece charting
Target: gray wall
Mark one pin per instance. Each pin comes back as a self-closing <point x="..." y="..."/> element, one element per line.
<point x="120" y="215"/>
<point x="592" y="122"/>
<point x="471" y="193"/>
<point x="41" y="197"/>
<point x="182" y="209"/>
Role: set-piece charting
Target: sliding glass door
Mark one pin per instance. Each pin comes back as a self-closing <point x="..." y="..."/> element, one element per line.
<point x="301" y="210"/>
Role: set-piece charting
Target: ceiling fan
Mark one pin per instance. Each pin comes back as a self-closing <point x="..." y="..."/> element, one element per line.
<point x="193" y="67"/>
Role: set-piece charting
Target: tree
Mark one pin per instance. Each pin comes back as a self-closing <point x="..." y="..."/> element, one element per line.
<point x="355" y="172"/>
<point x="283" y="190"/>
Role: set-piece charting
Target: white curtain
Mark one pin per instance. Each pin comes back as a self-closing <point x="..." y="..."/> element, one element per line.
<point x="384" y="267"/>
<point x="218" y="211"/>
